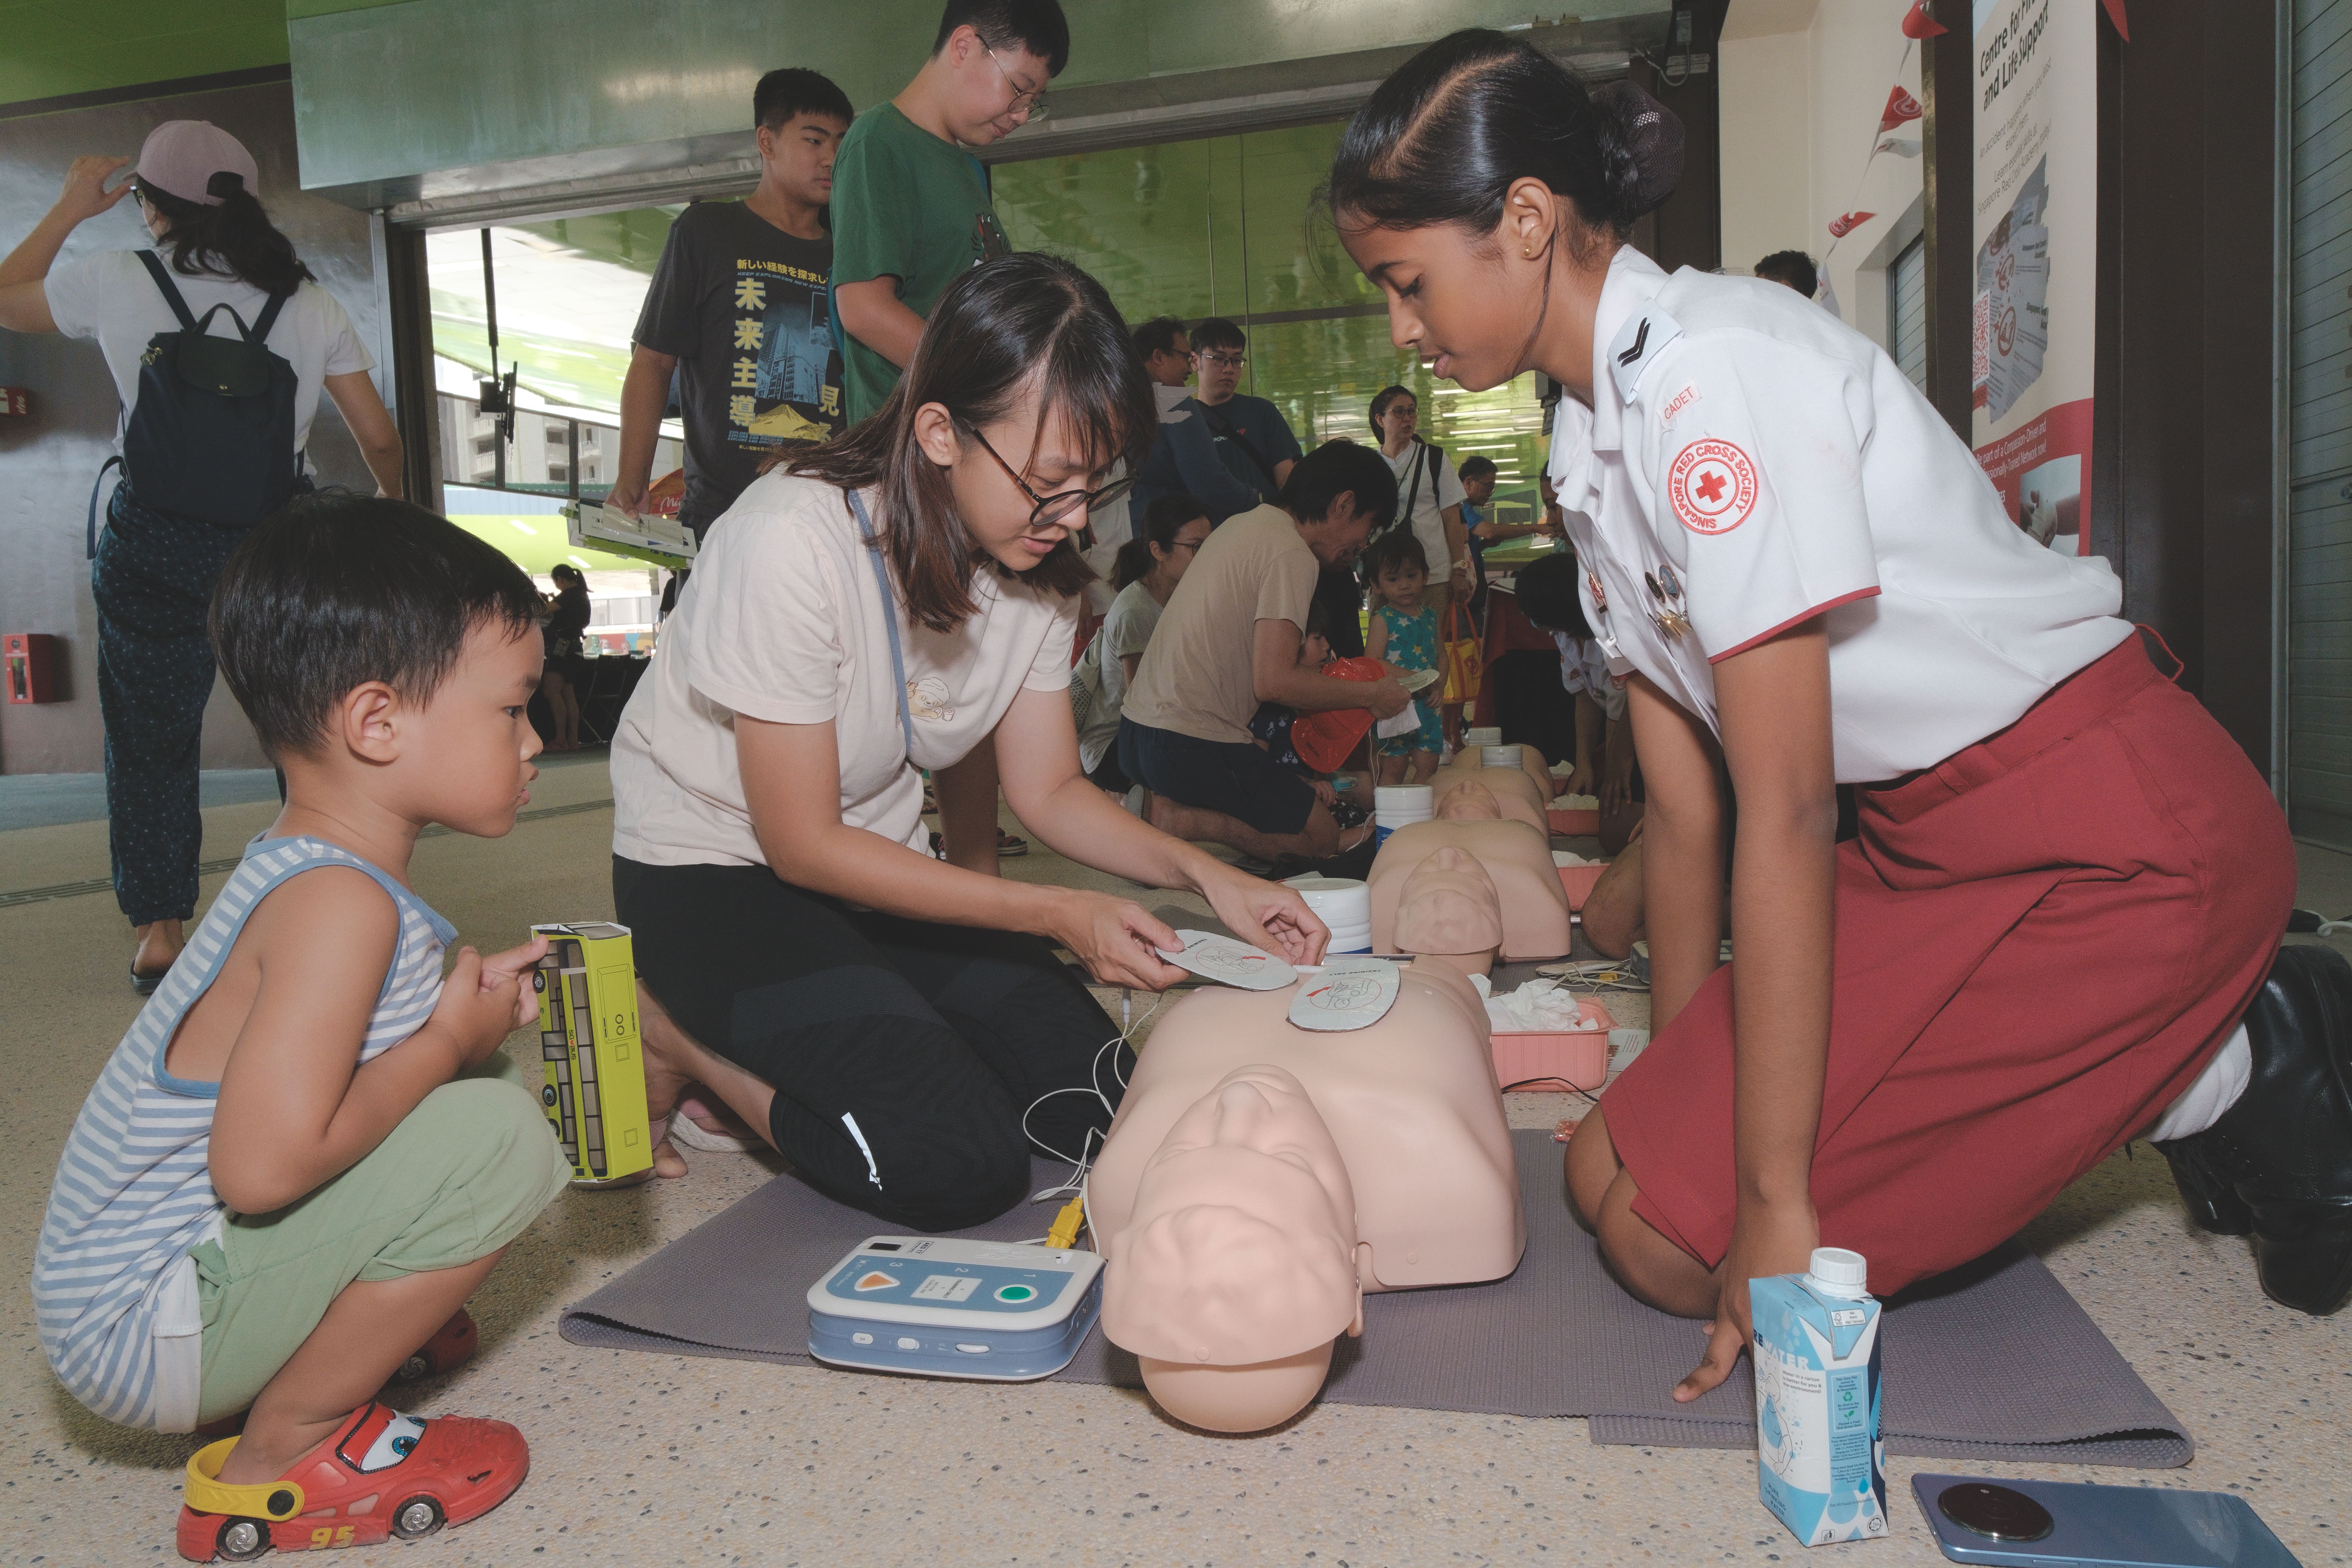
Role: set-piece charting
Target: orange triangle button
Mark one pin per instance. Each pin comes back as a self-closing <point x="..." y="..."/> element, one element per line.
<point x="877" y="1281"/>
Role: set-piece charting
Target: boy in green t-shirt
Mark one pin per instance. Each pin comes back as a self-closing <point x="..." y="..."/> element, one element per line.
<point x="910" y="203"/>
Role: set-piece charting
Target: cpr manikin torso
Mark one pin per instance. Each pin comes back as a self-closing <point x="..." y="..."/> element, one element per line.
<point x="1517" y="858"/>
<point x="1516" y="793"/>
<point x="1259" y="1177"/>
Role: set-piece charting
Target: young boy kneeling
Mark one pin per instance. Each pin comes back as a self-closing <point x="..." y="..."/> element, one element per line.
<point x="310" y="1150"/>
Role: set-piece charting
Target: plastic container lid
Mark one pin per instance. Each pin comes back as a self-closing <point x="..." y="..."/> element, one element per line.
<point x="1485" y="735"/>
<point x="1342" y="903"/>
<point x="1405" y="797"/>
<point x="1498" y="756"/>
<point x="1837" y="1272"/>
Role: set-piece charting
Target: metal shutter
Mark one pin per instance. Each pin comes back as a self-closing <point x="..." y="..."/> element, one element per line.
<point x="1906" y="311"/>
<point x="2319" y="459"/>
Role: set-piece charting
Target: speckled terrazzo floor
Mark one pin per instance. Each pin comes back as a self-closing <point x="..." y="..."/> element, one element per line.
<point x="654" y="1460"/>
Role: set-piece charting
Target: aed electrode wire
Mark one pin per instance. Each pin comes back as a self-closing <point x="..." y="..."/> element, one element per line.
<point x="1092" y="1086"/>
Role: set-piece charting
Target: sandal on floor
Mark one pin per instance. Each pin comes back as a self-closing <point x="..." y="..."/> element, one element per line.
<point x="144" y="985"/>
<point x="410" y="1476"/>
<point x="686" y="1130"/>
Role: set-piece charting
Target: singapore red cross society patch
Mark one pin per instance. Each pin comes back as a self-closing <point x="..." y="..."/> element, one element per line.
<point x="1712" y="486"/>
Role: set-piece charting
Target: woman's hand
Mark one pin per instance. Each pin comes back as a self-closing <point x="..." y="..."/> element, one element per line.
<point x="1766" y="1239"/>
<point x="1265" y="914"/>
<point x="1580" y="781"/>
<point x="1324" y="792"/>
<point x="84" y="194"/>
<point x="1118" y="940"/>
<point x="1616" y="790"/>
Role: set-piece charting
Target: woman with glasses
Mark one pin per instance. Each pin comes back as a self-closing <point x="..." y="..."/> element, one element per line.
<point x="898" y="1027"/>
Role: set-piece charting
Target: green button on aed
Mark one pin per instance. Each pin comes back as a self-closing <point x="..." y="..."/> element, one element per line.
<point x="1016" y="1293"/>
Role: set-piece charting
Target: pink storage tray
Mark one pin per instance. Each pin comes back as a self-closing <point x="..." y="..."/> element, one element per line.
<point x="1578" y="1060"/>
<point x="1579" y="882"/>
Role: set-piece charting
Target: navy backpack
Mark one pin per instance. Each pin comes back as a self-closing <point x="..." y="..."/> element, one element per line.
<point x="211" y="437"/>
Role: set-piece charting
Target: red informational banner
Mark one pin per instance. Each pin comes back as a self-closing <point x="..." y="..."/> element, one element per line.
<point x="1846" y="222"/>
<point x="1901" y="110"/>
<point x="2038" y="470"/>
<point x="2037" y="183"/>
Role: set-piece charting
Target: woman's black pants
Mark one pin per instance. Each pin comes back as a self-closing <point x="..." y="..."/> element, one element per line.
<point x="904" y="1054"/>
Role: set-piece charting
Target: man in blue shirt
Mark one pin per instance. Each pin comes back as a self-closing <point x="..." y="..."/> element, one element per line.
<point x="1253" y="440"/>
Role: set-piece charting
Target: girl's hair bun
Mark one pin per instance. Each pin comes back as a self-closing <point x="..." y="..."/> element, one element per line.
<point x="1641" y="146"/>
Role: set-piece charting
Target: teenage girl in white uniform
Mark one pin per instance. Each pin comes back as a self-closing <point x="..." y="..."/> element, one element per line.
<point x="2070" y="883"/>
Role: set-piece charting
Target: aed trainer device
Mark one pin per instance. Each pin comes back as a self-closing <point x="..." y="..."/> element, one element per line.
<point x="939" y="1307"/>
<point x="594" y="1095"/>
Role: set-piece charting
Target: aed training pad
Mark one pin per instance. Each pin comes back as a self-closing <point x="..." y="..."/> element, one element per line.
<point x="1229" y="962"/>
<point x="952" y="1306"/>
<point x="1347" y="993"/>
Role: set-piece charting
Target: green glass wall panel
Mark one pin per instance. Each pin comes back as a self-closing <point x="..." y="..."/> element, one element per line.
<point x="1216" y="226"/>
<point x="1226" y="227"/>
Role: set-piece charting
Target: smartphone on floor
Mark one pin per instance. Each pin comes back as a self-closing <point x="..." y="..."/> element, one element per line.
<point x="2064" y="1524"/>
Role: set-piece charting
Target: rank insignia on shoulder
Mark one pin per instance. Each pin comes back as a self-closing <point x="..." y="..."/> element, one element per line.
<point x="1637" y="346"/>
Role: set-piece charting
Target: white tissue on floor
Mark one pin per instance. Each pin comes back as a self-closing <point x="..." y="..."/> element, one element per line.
<point x="1571" y="857"/>
<point x="1537" y="1008"/>
<point x="1577" y="803"/>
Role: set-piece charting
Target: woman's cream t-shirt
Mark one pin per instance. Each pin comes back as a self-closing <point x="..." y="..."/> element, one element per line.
<point x="783" y="621"/>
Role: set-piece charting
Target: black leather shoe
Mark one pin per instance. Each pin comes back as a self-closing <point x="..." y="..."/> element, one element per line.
<point x="2278" y="1165"/>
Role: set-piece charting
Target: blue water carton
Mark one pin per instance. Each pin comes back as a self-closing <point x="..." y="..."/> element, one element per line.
<point x="1819" y="1465"/>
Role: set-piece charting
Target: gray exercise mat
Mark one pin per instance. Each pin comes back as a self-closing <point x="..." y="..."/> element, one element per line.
<point x="1994" y="1361"/>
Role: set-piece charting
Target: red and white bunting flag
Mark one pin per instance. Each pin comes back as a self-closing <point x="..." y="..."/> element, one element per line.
<point x="1901" y="109"/>
<point x="1917" y="24"/>
<point x="1845" y="224"/>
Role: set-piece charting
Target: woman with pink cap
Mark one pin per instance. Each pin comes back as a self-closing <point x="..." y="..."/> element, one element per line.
<point x="184" y="502"/>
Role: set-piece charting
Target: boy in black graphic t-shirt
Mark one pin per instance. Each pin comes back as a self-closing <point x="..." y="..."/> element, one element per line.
<point x="738" y="309"/>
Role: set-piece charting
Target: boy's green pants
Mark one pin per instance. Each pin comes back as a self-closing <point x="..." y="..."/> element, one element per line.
<point x="460" y="1177"/>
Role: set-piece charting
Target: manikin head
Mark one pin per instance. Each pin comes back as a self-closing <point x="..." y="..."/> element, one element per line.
<point x="1237" y="1267"/>
<point x="1449" y="910"/>
<point x="1469" y="801"/>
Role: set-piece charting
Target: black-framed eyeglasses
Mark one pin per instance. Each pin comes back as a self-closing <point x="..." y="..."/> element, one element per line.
<point x="1061" y="504"/>
<point x="1025" y="100"/>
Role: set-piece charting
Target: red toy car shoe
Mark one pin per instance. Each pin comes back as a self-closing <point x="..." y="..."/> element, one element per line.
<point x="382" y="1474"/>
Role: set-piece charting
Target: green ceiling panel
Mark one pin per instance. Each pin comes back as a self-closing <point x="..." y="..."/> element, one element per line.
<point x="426" y="96"/>
<point x="50" y="49"/>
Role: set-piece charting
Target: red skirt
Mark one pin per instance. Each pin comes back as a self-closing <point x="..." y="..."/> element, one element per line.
<point x="2039" y="942"/>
